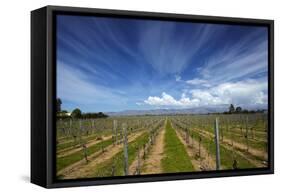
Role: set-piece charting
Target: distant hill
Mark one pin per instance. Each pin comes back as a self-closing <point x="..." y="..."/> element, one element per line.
<point x="196" y="110"/>
<point x="199" y="110"/>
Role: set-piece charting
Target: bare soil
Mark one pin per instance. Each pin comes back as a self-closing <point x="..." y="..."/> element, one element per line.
<point x="152" y="165"/>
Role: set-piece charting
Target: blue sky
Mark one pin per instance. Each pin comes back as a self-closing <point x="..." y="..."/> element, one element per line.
<point x="111" y="64"/>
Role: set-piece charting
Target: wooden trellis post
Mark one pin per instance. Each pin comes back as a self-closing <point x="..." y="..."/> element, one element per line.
<point x="221" y="129"/>
<point x="115" y="131"/>
<point x="241" y="122"/>
<point x="93" y="126"/>
<point x="150" y="139"/>
<point x="227" y="125"/>
<point x="85" y="153"/>
<point x="192" y="140"/>
<point x="200" y="139"/>
<point x="234" y="165"/>
<point x="265" y="125"/>
<point x="124" y="126"/>
<point x="139" y="160"/>
<point x="102" y="149"/>
<point x="70" y="126"/>
<point x="217" y="141"/>
<point x="64" y="128"/>
<point x="144" y="151"/>
<point x="113" y="169"/>
<point x="186" y="136"/>
<point x="265" y="129"/>
<point x="80" y="125"/>
<point x="67" y="128"/>
<point x="251" y="128"/>
<point x="80" y="131"/>
<point x="209" y="148"/>
<point x="253" y="132"/>
<point x="246" y="136"/>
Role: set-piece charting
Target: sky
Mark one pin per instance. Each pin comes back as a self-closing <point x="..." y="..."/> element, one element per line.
<point x="115" y="64"/>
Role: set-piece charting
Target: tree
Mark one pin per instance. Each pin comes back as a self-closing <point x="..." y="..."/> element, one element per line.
<point x="63" y="111"/>
<point x="94" y="115"/>
<point x="238" y="109"/>
<point x="231" y="108"/>
<point x="76" y="113"/>
<point x="59" y="102"/>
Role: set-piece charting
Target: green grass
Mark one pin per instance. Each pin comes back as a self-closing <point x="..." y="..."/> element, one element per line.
<point x="176" y="158"/>
<point x="105" y="169"/>
<point x="65" y="161"/>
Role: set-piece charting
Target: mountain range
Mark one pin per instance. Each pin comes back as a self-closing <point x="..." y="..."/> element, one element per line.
<point x="198" y="110"/>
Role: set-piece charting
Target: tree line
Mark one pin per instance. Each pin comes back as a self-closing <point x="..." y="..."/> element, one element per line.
<point x="76" y="113"/>
<point x="238" y="110"/>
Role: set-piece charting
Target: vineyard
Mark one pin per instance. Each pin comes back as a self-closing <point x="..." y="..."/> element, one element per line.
<point x="138" y="145"/>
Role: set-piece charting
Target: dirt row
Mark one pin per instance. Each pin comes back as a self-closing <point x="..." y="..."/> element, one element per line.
<point x="152" y="164"/>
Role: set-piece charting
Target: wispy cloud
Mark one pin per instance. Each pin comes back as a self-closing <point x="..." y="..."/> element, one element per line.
<point x="113" y="64"/>
<point x="167" y="52"/>
<point x="197" y="82"/>
<point x="95" y="47"/>
<point x="245" y="59"/>
<point x="178" y="78"/>
<point x="74" y="86"/>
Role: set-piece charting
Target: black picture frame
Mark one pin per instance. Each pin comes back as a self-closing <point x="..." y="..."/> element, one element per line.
<point x="43" y="96"/>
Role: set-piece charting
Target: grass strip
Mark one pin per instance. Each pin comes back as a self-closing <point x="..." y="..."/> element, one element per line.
<point x="176" y="158"/>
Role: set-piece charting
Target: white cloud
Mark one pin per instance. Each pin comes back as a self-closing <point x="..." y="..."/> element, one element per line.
<point x="247" y="93"/>
<point x="168" y="100"/>
<point x="206" y="98"/>
<point x="178" y="78"/>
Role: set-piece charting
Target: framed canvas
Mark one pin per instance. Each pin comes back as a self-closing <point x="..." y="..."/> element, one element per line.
<point x="126" y="96"/>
